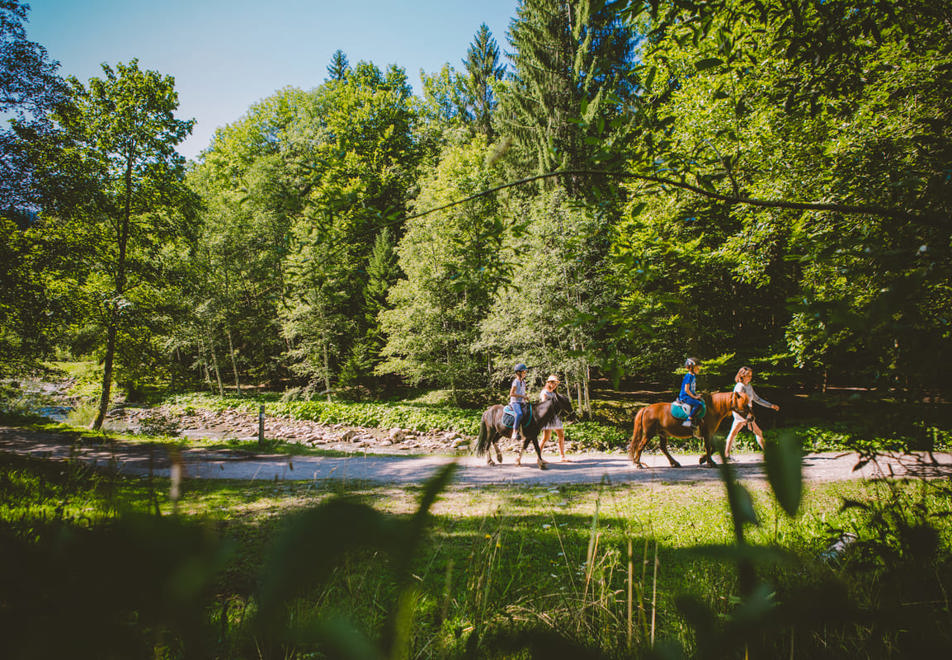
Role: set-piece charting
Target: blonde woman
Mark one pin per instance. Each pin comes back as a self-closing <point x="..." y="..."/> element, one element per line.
<point x="551" y="385"/>
<point x="743" y="378"/>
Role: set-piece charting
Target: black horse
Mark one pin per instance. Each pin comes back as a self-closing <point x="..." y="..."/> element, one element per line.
<point x="491" y="427"/>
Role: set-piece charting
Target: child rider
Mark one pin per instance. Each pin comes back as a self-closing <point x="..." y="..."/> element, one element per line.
<point x="688" y="393"/>
<point x="517" y="397"/>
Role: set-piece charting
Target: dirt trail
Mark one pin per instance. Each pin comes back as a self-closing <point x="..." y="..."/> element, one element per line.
<point x="133" y="459"/>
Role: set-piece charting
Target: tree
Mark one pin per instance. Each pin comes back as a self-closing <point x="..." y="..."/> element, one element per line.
<point x="339" y="66"/>
<point x="358" y="160"/>
<point x="252" y="181"/>
<point x="483" y="71"/>
<point x="548" y="315"/>
<point x="121" y="133"/>
<point x="810" y="140"/>
<point x="366" y="352"/>
<point x="454" y="262"/>
<point x="561" y="106"/>
<point x="29" y="90"/>
<point x="571" y="64"/>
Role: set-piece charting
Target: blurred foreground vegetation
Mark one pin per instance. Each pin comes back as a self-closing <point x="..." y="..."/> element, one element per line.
<point x="119" y="568"/>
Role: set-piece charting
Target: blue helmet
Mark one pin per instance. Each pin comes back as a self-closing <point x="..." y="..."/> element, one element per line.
<point x="521" y="367"/>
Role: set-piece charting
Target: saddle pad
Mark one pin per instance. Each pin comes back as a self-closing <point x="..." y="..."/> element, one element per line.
<point x="508" y="416"/>
<point x="682" y="410"/>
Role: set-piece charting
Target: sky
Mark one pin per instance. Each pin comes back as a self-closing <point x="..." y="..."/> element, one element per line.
<point x="226" y="55"/>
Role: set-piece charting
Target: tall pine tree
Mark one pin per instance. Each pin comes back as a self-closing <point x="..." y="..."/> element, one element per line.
<point x="572" y="59"/>
<point x="483" y="70"/>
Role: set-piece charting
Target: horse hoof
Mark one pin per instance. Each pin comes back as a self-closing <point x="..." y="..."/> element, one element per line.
<point x="543" y="465"/>
<point x="675" y="464"/>
<point x="641" y="466"/>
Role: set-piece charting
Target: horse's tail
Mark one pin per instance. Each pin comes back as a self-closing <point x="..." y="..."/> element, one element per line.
<point x="636" y="433"/>
<point x="482" y="443"/>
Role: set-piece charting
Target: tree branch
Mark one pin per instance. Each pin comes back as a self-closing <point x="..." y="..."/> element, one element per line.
<point x="935" y="219"/>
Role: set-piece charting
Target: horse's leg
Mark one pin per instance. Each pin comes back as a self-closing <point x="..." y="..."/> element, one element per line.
<point x="535" y="443"/>
<point x="636" y="427"/>
<point x="646" y="432"/>
<point x="492" y="444"/>
<point x="664" y="448"/>
<point x="708" y="450"/>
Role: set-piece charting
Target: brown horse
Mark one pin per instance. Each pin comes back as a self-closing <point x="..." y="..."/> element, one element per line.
<point x="656" y="419"/>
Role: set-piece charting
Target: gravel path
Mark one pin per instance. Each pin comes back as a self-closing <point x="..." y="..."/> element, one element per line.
<point x="133" y="459"/>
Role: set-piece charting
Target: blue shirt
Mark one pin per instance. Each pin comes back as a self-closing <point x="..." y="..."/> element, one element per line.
<point x="690" y="382"/>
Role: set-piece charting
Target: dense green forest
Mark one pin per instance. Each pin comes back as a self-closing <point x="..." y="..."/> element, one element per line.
<point x="615" y="187"/>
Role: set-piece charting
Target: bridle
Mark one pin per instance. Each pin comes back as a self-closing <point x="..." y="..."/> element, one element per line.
<point x="748" y="414"/>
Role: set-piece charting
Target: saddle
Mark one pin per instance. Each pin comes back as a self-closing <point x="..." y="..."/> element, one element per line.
<point x="509" y="416"/>
<point x="683" y="411"/>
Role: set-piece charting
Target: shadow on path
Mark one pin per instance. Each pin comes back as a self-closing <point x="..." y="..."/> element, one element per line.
<point x="138" y="459"/>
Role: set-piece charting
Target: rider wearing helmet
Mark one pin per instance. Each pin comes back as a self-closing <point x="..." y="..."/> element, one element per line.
<point x="688" y="393"/>
<point x="517" y="397"/>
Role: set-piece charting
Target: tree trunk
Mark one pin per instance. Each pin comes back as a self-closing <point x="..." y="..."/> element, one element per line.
<point x="327" y="373"/>
<point x="106" y="377"/>
<point x="211" y="346"/>
<point x="234" y="365"/>
<point x="586" y="390"/>
<point x="203" y="365"/>
<point x="120" y="287"/>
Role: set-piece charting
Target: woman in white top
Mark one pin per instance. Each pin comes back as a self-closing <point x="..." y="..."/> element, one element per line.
<point x="743" y="378"/>
<point x="547" y="392"/>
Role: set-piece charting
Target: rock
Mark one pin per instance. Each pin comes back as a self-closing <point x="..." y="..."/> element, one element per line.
<point x="396" y="435"/>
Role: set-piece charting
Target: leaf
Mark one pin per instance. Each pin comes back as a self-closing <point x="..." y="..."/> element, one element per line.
<point x="649" y="79"/>
<point x="708" y="63"/>
<point x="783" y="463"/>
<point x="743" y="504"/>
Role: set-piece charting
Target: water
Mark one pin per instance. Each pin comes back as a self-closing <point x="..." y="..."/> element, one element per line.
<point x="54" y="413"/>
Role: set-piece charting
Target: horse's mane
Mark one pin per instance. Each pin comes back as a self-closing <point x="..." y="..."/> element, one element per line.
<point x="555" y="403"/>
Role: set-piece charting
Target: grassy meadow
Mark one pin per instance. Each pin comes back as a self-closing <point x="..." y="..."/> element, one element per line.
<point x="604" y="571"/>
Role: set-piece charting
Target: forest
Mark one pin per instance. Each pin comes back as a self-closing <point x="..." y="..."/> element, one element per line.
<point x="608" y="189"/>
<point x="618" y="186"/>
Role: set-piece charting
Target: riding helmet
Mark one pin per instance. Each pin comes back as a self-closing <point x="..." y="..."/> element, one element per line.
<point x="521" y="367"/>
<point x="692" y="362"/>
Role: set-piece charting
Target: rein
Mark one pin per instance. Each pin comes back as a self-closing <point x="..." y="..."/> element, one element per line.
<point x="746" y="413"/>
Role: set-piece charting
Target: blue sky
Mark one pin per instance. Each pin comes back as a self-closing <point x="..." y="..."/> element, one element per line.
<point x="227" y="54"/>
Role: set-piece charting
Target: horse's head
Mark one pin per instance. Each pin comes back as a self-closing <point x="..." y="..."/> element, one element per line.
<point x="563" y="406"/>
<point x="742" y="405"/>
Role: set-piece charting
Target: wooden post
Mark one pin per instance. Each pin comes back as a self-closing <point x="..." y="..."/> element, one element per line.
<point x="260" y="425"/>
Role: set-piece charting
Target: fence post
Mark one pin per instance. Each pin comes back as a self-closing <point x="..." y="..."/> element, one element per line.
<point x="261" y="425"/>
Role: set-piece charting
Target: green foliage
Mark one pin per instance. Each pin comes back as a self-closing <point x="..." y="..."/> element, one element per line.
<point x="570" y="67"/>
<point x="752" y="107"/>
<point x="483" y="72"/>
<point x="120" y="217"/>
<point x="371" y="415"/>
<point x="454" y="262"/>
<point x="29" y="89"/>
